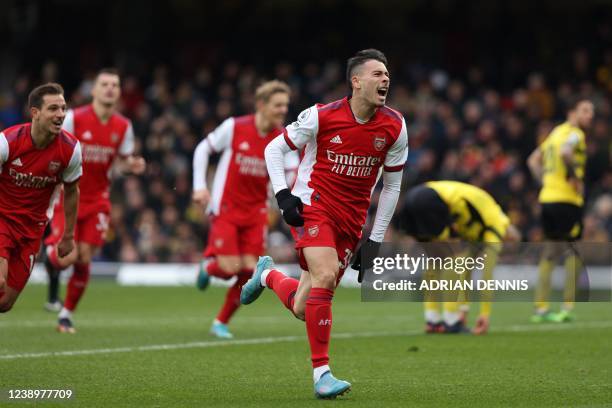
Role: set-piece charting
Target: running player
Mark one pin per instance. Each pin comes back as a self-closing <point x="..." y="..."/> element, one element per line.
<point x="347" y="144"/>
<point x="35" y="159"/>
<point x="238" y="207"/>
<point x="437" y="211"/>
<point x="106" y="137"/>
<point x="559" y="163"/>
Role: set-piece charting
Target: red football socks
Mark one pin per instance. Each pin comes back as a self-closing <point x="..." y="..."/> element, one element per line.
<point x="318" y="324"/>
<point x="76" y="285"/>
<point x="232" y="299"/>
<point x="284" y="287"/>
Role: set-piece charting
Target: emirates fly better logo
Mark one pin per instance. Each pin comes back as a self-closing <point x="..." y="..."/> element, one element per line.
<point x="351" y="164"/>
<point x="29" y="180"/>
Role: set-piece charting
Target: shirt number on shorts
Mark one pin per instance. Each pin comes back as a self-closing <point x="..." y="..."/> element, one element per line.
<point x="102" y="222"/>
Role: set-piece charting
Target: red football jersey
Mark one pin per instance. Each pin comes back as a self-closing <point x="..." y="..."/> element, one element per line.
<point x="30" y="178"/>
<point x="343" y="158"/>
<point x="240" y="187"/>
<point x="100" y="143"/>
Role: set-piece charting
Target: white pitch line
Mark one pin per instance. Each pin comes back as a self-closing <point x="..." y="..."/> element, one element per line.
<point x="602" y="324"/>
<point x="197" y="344"/>
<point x="282" y="339"/>
<point x="147" y="322"/>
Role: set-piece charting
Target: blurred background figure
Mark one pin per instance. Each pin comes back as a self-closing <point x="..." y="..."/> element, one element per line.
<point x="238" y="207"/>
<point x="107" y="140"/>
<point x="559" y="164"/>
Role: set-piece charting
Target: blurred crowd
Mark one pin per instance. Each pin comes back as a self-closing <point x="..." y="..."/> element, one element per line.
<point x="460" y="128"/>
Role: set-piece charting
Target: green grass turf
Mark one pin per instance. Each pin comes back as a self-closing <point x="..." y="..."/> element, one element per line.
<point x="517" y="364"/>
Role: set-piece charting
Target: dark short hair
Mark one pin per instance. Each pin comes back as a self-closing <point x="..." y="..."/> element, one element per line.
<point x="361" y="58"/>
<point x="573" y="103"/>
<point x="35" y="98"/>
<point x="107" y="70"/>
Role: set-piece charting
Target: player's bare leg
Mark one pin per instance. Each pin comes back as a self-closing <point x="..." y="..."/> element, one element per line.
<point x="573" y="268"/>
<point x="547" y="264"/>
<point x="8" y="295"/>
<point x="324" y="269"/>
<point x="491" y="251"/>
<point x="308" y="301"/>
<point x="266" y="275"/>
<point x="232" y="299"/>
<point x="54" y="264"/>
<point x="8" y="299"/>
<point x="301" y="296"/>
<point x="76" y="286"/>
<point x="229" y="264"/>
<point x="220" y="266"/>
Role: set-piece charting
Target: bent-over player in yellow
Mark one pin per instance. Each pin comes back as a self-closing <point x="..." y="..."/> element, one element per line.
<point x="442" y="211"/>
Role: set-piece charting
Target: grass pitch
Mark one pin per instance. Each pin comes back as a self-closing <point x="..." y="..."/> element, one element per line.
<point x="141" y="347"/>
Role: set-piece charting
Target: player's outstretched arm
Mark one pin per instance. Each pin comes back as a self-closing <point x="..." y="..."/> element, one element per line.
<point x="292" y="162"/>
<point x="201" y="156"/>
<point x="296" y="136"/>
<point x="275" y="162"/>
<point x="534" y="162"/>
<point x="126" y="161"/>
<point x="567" y="155"/>
<point x="4" y="149"/>
<point x="392" y="182"/>
<point x="290" y="205"/>
<point x="70" y="177"/>
<point x="71" y="202"/>
<point x="217" y="141"/>
<point x="389" y="195"/>
<point x="131" y="164"/>
<point x="387" y="202"/>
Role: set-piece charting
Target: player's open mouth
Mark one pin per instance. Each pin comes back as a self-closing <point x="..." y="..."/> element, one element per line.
<point x="383" y="91"/>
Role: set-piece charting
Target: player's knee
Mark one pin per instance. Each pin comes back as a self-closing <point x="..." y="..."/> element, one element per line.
<point x="248" y="263"/>
<point x="85" y="252"/>
<point x="324" y="277"/>
<point x="231" y="265"/>
<point x="299" y="312"/>
<point x="6" y="305"/>
<point x="84" y="257"/>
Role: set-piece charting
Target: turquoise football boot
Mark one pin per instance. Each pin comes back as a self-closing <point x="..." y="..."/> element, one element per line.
<point x="220" y="330"/>
<point x="203" y="277"/>
<point x="253" y="288"/>
<point x="329" y="387"/>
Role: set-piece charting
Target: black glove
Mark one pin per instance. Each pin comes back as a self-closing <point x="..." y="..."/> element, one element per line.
<point x="291" y="207"/>
<point x="369" y="249"/>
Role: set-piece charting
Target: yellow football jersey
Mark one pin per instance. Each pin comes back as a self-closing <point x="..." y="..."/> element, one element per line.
<point x="555" y="186"/>
<point x="477" y="217"/>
